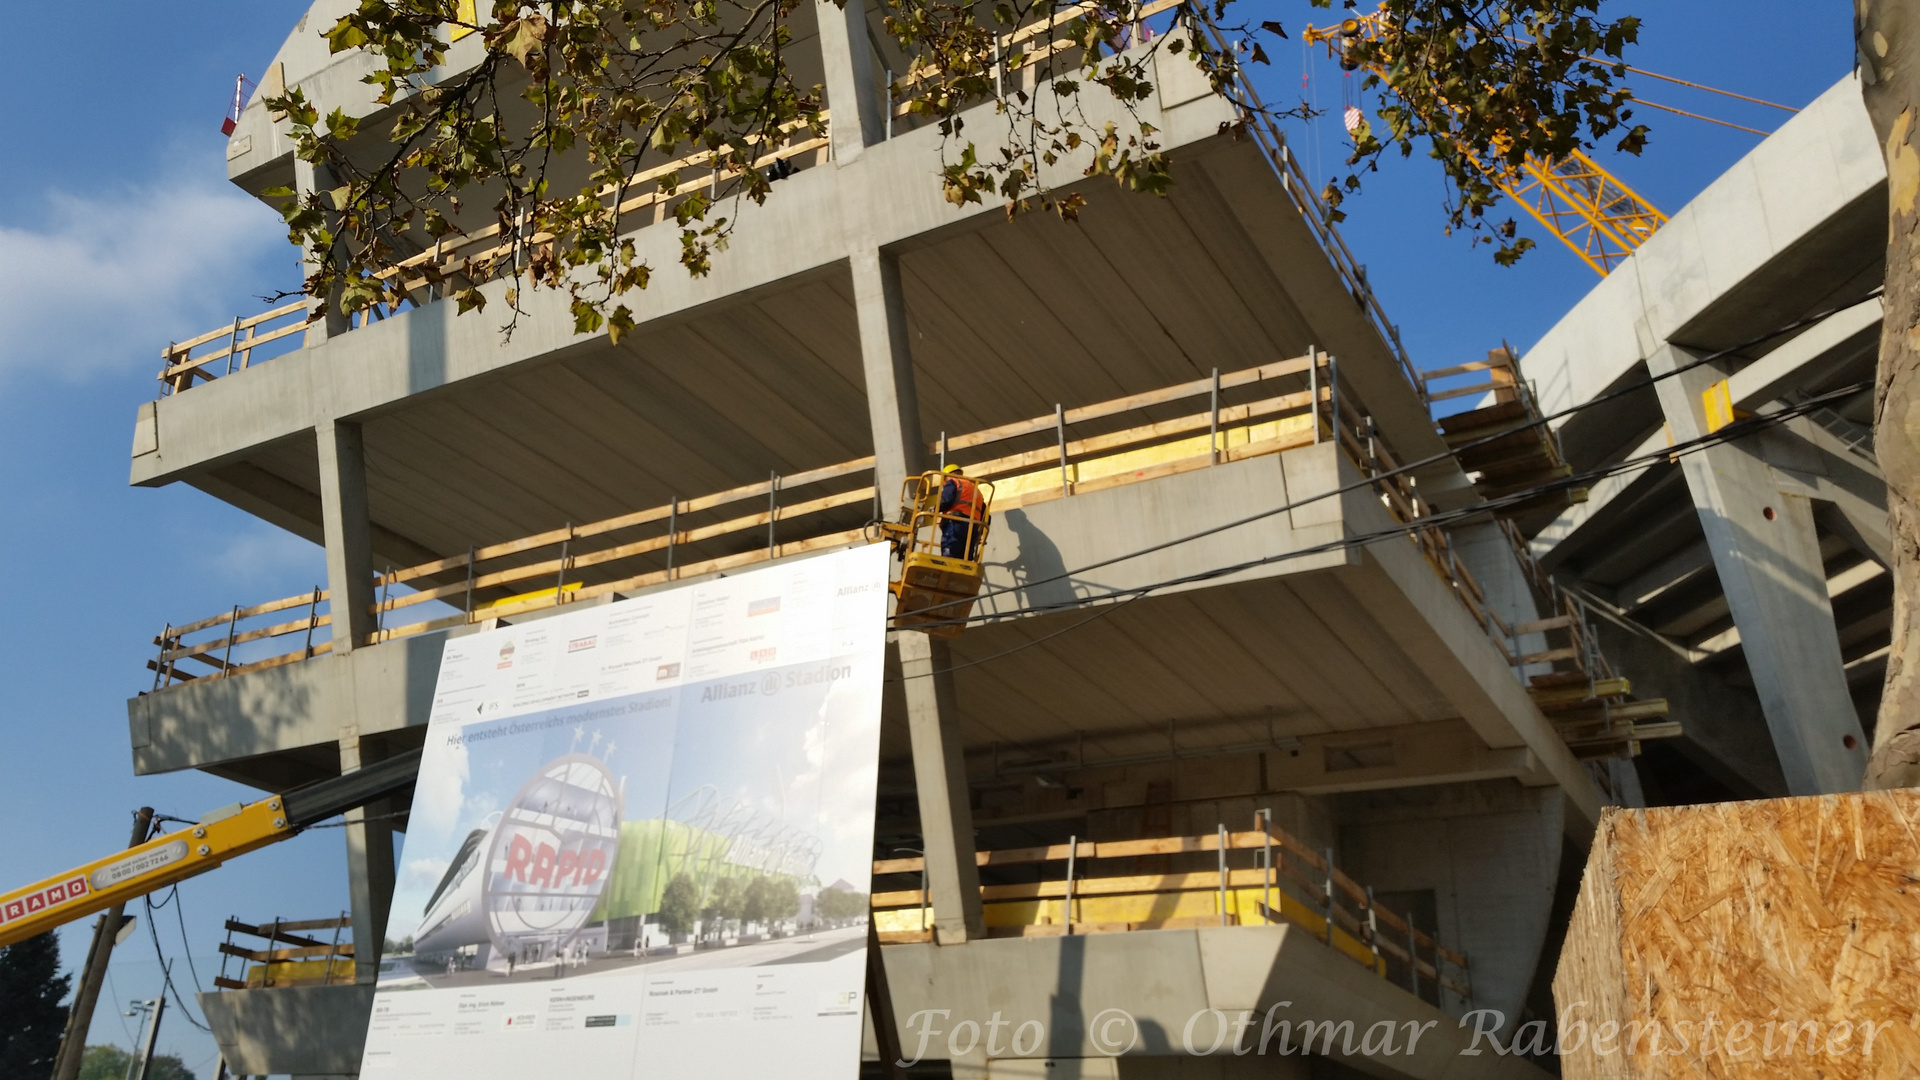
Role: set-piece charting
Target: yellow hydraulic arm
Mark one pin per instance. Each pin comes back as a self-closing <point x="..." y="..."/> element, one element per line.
<point x="176" y="856"/>
<point x="1601" y="219"/>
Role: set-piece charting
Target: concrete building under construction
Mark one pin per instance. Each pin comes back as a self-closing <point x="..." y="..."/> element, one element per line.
<point x="1251" y="712"/>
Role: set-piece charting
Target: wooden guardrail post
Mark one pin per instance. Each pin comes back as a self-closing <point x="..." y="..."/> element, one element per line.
<point x="1265" y="819"/>
<point x="1413" y="958"/>
<point x="160" y="662"/>
<point x="1373" y="929"/>
<point x="1327" y="854"/>
<point x="1313" y="390"/>
<point x="233" y="629"/>
<point x="1213" y="427"/>
<point x="1073" y="849"/>
<point x="313" y="620"/>
<point x="1221" y="839"/>
<point x="1060" y="430"/>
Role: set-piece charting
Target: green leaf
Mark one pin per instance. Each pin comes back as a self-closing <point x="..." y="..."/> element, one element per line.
<point x="346" y="34"/>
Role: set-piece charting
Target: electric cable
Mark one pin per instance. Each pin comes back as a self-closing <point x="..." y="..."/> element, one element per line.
<point x="166" y="974"/>
<point x="1736" y="430"/>
<point x="1637" y="100"/>
<point x="115" y="992"/>
<point x="1432" y="459"/>
<point x="186" y="946"/>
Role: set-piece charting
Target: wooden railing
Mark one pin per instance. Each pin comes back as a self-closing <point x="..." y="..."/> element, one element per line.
<point x="180" y="367"/>
<point x="290" y="957"/>
<point x="1017" y="54"/>
<point x="1248" y="413"/>
<point x="1279" y="880"/>
<point x="470" y="258"/>
<point x="1570" y="679"/>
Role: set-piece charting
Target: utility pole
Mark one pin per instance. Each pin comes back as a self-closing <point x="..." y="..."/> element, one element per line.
<point x="107" y="933"/>
<point x="143" y="1060"/>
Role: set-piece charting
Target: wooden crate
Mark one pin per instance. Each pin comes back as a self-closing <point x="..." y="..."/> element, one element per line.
<point x="1694" y="920"/>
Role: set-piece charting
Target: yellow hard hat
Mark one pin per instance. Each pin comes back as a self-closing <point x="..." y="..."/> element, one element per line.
<point x="952" y="470"/>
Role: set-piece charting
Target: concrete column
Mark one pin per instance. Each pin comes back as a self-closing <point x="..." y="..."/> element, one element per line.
<point x="369" y="864"/>
<point x="1768" y="558"/>
<point x="343" y="512"/>
<point x="893" y="405"/>
<point x="940" y="776"/>
<point x="309" y="178"/>
<point x="854" y="97"/>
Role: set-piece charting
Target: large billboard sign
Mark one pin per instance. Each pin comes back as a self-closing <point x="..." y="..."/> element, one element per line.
<point x="625" y="817"/>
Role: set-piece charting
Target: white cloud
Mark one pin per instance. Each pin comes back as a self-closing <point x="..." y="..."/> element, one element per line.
<point x="421" y="875"/>
<point x="440" y="797"/>
<point x="101" y="281"/>
<point x="261" y="553"/>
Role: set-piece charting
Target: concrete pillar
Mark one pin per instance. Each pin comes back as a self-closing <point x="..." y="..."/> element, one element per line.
<point x="1768" y="558"/>
<point x="893" y="406"/>
<point x="369" y="864"/>
<point x="940" y="776"/>
<point x="348" y="532"/>
<point x="309" y="178"/>
<point x="855" y="98"/>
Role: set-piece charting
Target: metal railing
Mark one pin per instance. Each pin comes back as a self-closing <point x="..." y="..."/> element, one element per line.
<point x="1280" y="879"/>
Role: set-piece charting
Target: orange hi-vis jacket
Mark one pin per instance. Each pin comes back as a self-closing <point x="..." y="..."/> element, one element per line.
<point x="966" y="499"/>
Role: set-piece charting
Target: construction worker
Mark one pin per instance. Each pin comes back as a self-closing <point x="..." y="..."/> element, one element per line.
<point x="962" y="510"/>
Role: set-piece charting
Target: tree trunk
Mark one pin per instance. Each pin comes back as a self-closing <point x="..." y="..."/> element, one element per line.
<point x="1888" y="35"/>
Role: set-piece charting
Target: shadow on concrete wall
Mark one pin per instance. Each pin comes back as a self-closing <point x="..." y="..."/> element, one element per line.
<point x="1038" y="571"/>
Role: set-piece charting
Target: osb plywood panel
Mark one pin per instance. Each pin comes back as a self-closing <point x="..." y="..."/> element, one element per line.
<point x="1778" y="938"/>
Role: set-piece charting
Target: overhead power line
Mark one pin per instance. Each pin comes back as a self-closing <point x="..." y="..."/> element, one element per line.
<point x="1682" y="112"/>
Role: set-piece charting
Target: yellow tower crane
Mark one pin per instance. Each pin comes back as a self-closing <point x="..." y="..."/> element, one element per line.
<point x="1591" y="211"/>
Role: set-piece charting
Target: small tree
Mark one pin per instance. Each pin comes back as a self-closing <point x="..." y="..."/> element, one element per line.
<point x="111" y="1063"/>
<point x="759" y="904"/>
<point x="31" y="1016"/>
<point x="786" y="899"/>
<point x="839" y="904"/>
<point x="679" y="905"/>
<point x="724" y="902"/>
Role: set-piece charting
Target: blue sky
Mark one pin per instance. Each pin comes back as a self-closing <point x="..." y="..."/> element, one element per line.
<point x="118" y="234"/>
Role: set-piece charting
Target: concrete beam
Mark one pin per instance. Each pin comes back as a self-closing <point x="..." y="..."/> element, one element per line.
<point x="1850" y="492"/>
<point x="1069" y="985"/>
<point x="348" y="532"/>
<point x="1757" y="247"/>
<point x="1724" y="730"/>
<point x="940" y="779"/>
<point x="1429" y="623"/>
<point x="858" y="117"/>
<point x="1413" y="755"/>
<point x="369" y="863"/>
<point x="210" y="721"/>
<point x="295" y="1030"/>
<point x="1550" y="544"/>
<point x="1768" y="558"/>
<point x="893" y="403"/>
<point x="1840" y="337"/>
<point x="308" y="179"/>
<point x="887" y="200"/>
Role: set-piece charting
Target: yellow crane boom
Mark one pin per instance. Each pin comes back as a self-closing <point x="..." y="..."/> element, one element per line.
<point x="1576" y="199"/>
<point x="221" y="835"/>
